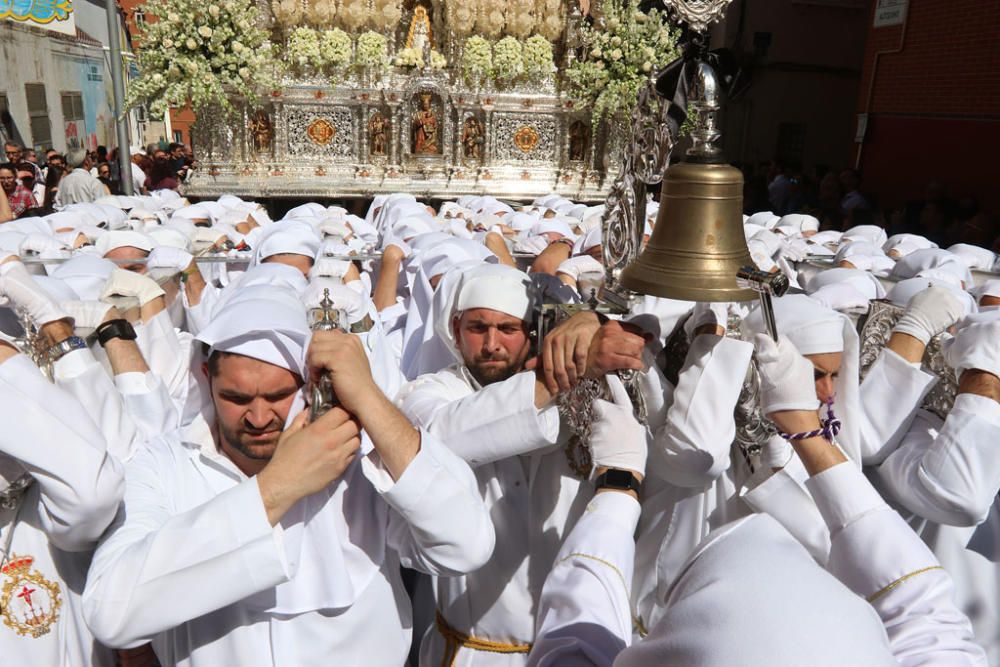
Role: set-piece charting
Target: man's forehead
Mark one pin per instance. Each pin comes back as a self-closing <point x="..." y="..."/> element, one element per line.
<point x="829" y="362"/>
<point x="237" y="369"/>
<point x="489" y="316"/>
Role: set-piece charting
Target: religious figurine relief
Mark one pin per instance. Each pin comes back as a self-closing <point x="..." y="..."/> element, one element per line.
<point x="426" y="127"/>
<point x="579" y="141"/>
<point x="420" y="32"/>
<point x="261" y="131"/>
<point x="472" y="138"/>
<point x="378" y="132"/>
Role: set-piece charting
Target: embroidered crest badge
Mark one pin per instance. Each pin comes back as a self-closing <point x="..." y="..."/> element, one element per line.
<point x="29" y="603"/>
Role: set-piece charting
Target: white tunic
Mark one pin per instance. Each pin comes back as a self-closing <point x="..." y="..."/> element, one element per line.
<point x="76" y="492"/>
<point x="531" y="493"/>
<point x="194" y="565"/>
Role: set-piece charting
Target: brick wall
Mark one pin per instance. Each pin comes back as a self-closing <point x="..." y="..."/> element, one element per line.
<point x="934" y="106"/>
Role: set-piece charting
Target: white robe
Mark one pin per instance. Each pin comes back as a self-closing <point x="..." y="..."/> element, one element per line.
<point x="76" y="492"/>
<point x="193" y="564"/>
<point x="583" y="611"/>
<point x="532" y="496"/>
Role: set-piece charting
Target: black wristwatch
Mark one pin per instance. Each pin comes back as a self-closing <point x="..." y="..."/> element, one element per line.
<point x="112" y="329"/>
<point x="621" y="480"/>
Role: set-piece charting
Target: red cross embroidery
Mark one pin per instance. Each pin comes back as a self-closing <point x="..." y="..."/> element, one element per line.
<point x="25" y="594"/>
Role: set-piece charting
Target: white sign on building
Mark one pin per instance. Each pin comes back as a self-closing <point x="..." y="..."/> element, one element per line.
<point x="890" y="12"/>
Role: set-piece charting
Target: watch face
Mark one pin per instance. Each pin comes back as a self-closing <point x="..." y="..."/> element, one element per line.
<point x="618" y="479"/>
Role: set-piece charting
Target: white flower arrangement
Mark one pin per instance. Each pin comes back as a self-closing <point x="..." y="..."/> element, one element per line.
<point x="334" y="49"/>
<point x="477" y="57"/>
<point x="202" y="53"/>
<point x="302" y="50"/>
<point x="409" y="58"/>
<point x="508" y="62"/>
<point x="537" y="56"/>
<point x="372" y="50"/>
<point x="623" y="48"/>
<point x="438" y="61"/>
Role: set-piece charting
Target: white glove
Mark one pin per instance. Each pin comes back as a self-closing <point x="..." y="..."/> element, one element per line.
<point x="842" y="297"/>
<point x="72" y="239"/>
<point x="86" y="314"/>
<point x="794" y="250"/>
<point x="787" y="379"/>
<point x="329" y="267"/>
<point x="707" y="313"/>
<point x="42" y="243"/>
<point x="21" y="289"/>
<point x="617" y="440"/>
<point x="169" y="257"/>
<point x="976" y="345"/>
<point x="129" y="283"/>
<point x="533" y="245"/>
<point x="574" y="267"/>
<point x="929" y="313"/>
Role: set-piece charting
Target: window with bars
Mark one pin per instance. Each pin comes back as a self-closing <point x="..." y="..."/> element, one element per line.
<point x="38" y="115"/>
<point x="72" y="106"/>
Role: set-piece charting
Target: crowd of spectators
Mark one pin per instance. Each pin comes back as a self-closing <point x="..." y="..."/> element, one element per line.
<point x="28" y="188"/>
<point x="840" y="201"/>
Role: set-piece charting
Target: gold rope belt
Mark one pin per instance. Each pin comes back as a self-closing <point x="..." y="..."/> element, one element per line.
<point x="454" y="640"/>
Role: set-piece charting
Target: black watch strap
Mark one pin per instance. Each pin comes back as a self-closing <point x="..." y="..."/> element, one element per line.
<point x="112" y="329"/>
<point x="613" y="478"/>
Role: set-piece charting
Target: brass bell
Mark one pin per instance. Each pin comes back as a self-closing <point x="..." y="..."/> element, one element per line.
<point x="698" y="244"/>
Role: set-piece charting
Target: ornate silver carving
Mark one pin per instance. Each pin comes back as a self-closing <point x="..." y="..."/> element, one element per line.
<point x="874" y="330"/>
<point x="508" y="147"/>
<point x="644" y="164"/>
<point x="697" y="14"/>
<point x="11" y="496"/>
<point x="301" y="145"/>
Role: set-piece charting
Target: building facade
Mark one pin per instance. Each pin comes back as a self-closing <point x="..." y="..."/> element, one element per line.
<point x="929" y="101"/>
<point x="55" y="85"/>
<point x="802" y="61"/>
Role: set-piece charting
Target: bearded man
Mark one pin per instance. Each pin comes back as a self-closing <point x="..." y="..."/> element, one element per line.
<point x="500" y="416"/>
<point x="273" y="541"/>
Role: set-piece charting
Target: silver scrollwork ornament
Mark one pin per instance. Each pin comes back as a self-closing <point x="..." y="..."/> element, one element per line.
<point x="697" y="14"/>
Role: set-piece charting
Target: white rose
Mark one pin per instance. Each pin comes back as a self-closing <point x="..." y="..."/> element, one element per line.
<point x="616" y="40"/>
<point x="244" y="73"/>
<point x="616" y="54"/>
<point x="613" y="24"/>
<point x="600" y="64"/>
<point x="214" y="11"/>
<point x="205" y="31"/>
<point x="597" y="53"/>
<point x="237" y="47"/>
<point x="168" y="43"/>
<point x="173" y="17"/>
<point x="191" y="44"/>
<point x="647" y="66"/>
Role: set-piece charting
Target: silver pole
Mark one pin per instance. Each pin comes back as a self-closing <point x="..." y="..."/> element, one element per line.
<point x="118" y="83"/>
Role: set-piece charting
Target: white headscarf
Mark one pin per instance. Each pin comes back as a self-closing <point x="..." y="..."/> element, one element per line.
<point x="494" y="286"/>
<point x="288" y="237"/>
<point x="420" y="351"/>
<point x="784" y="609"/>
<point x="932" y="258"/>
